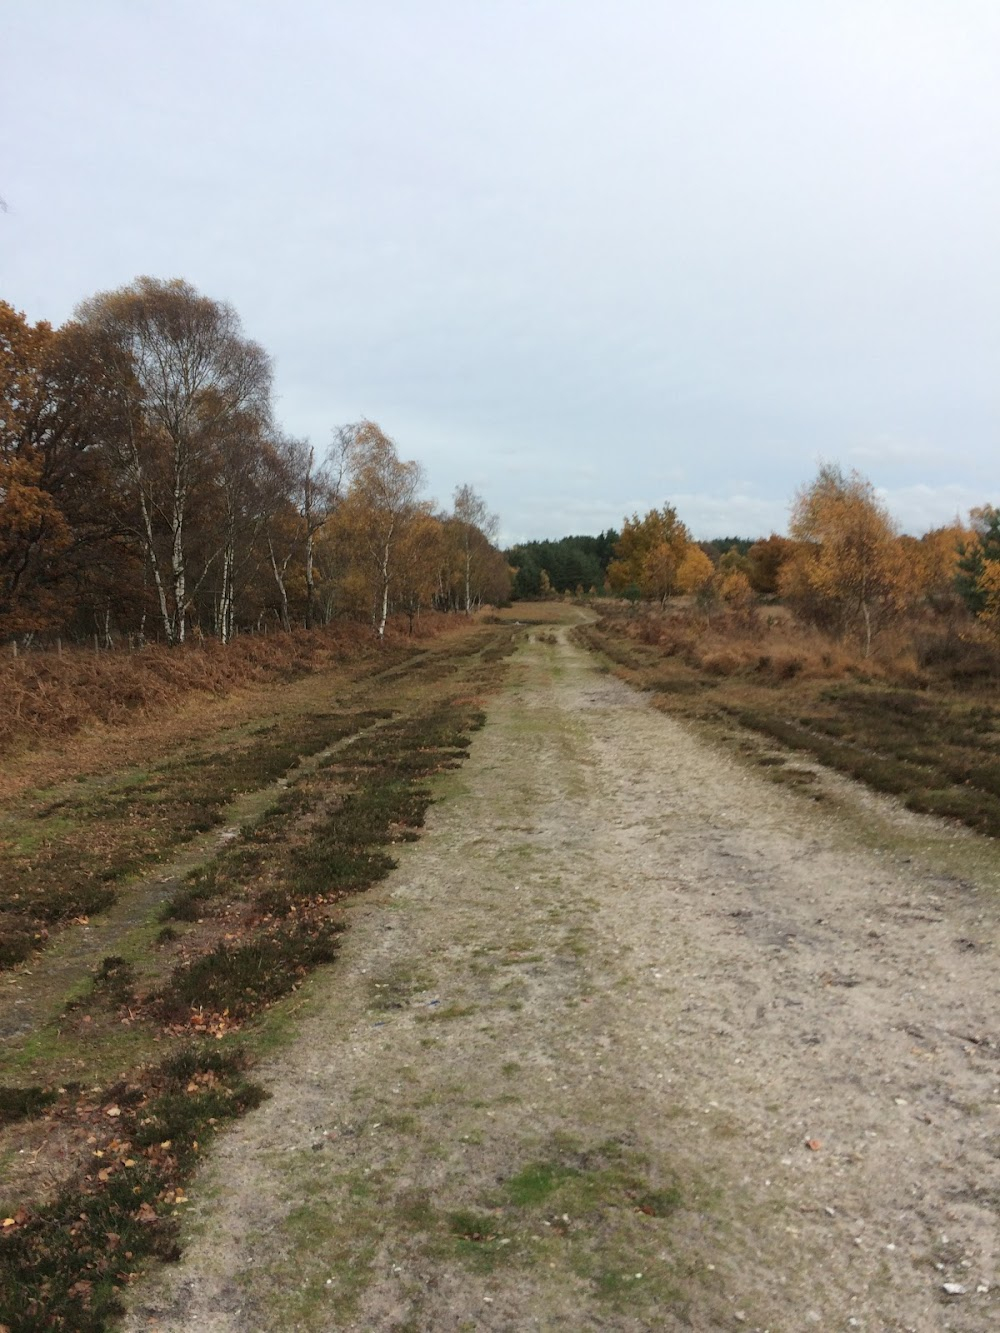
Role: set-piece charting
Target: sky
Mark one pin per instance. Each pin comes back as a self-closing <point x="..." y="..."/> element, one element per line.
<point x="589" y="256"/>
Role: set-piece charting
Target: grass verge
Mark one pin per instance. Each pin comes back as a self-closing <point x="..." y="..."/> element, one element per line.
<point x="935" y="747"/>
<point x="263" y="917"/>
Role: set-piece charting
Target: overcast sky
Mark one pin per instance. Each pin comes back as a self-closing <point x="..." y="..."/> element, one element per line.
<point x="589" y="255"/>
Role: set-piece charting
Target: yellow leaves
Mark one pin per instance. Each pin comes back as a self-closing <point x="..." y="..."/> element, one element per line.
<point x="734" y="589"/>
<point x="25" y="508"/>
<point x="212" y="1024"/>
<point x="659" y="571"/>
<point x="989" y="584"/>
<point x="851" y="568"/>
<point x="649" y="552"/>
<point x="936" y="555"/>
<point x="694" y="571"/>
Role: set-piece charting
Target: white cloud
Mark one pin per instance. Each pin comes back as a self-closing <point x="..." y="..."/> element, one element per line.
<point x="588" y="266"/>
<point x="919" y="507"/>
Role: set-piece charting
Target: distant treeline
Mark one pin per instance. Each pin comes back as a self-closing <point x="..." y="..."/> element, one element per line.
<point x="580" y="564"/>
<point x="844" y="568"/>
<point x="564" y="565"/>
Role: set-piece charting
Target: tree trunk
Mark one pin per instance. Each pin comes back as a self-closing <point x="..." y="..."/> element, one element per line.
<point x="384" y="615"/>
<point x="225" y="618"/>
<point x="310" y="580"/>
<point x="279" y="578"/>
<point x="161" y="592"/>
<point x="178" y="573"/>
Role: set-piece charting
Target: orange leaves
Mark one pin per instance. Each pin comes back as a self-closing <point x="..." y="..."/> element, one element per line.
<point x="649" y="552"/>
<point x="694" y="570"/>
<point x="851" y="568"/>
<point x="207" y="1023"/>
<point x="990" y="584"/>
<point x="33" y="527"/>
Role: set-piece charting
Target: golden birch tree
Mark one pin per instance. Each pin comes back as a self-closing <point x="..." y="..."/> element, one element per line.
<point x="850" y="567"/>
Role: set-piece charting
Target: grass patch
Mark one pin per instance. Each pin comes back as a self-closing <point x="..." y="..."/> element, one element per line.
<point x="62" y="1265"/>
<point x="23" y="1103"/>
<point x="239" y="980"/>
<point x="473" y="1226"/>
<point x="533" y="1185"/>
<point x="446" y="1013"/>
<point x="392" y="988"/>
<point x="936" y="746"/>
<point x="266" y="904"/>
<point x="593" y="1212"/>
<point x="75" y="851"/>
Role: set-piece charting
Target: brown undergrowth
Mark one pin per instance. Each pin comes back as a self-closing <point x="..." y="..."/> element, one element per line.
<point x="65" y="851"/>
<point x="126" y="1086"/>
<point x="48" y="694"/>
<point x="918" y="720"/>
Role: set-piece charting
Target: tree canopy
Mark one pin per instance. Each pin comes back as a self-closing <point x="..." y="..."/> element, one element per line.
<point x="146" y="490"/>
<point x="569" y="563"/>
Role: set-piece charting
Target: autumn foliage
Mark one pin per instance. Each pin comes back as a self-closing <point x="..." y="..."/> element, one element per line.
<point x="844" y="579"/>
<point x="849" y="569"/>
<point x="148" y="494"/>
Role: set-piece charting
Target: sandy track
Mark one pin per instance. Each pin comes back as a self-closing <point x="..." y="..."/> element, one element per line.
<point x="639" y="1011"/>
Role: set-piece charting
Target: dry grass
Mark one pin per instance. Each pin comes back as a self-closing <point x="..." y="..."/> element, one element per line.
<point x="769" y="645"/>
<point x="267" y="914"/>
<point x="48" y="694"/>
<point x="917" y="719"/>
<point x="67" y="850"/>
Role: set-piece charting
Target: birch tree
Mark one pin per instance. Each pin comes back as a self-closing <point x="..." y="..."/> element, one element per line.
<point x="850" y="567"/>
<point x="648" y="554"/>
<point x="316" y="486"/>
<point x="242" y="481"/>
<point x="477" y="530"/>
<point x="181" y="371"/>
<point x="383" y="499"/>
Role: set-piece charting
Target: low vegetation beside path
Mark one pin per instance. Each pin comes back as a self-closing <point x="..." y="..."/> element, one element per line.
<point x="924" y="730"/>
<point x="109" y="1098"/>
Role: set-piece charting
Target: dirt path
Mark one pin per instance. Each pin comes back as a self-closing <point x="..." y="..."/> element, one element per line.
<point x="633" y="1039"/>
